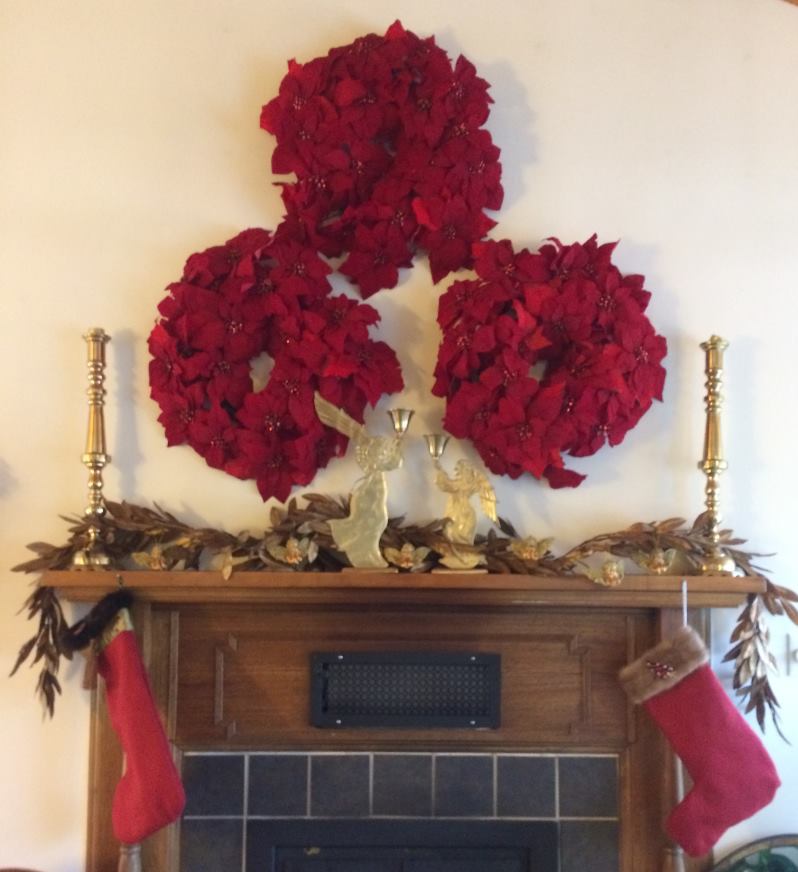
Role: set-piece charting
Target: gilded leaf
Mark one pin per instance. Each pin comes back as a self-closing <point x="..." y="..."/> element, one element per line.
<point x="786" y="593"/>
<point x="24" y="653"/>
<point x="790" y="611"/>
<point x="507" y="528"/>
<point x="670" y="525"/>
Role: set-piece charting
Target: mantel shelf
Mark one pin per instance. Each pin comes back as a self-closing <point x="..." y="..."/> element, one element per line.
<point x="366" y="586"/>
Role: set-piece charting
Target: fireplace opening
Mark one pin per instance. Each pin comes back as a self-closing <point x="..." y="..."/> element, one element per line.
<point x="401" y="846"/>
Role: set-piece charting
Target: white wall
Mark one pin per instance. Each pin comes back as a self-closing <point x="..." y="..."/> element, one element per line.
<point x="131" y="139"/>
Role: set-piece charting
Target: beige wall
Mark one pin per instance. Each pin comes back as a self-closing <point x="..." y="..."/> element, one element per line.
<point x="130" y="138"/>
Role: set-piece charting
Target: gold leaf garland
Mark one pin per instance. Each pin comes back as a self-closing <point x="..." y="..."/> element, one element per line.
<point x="299" y="539"/>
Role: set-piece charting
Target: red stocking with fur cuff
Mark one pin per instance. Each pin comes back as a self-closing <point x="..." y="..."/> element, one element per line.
<point x="733" y="776"/>
<point x="150" y="794"/>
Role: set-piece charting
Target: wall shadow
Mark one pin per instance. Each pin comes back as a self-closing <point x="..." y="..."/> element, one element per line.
<point x="126" y="451"/>
<point x="8" y="481"/>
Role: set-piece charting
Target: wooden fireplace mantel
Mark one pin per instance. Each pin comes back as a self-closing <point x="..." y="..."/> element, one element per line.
<point x="228" y="663"/>
<point x="636" y="591"/>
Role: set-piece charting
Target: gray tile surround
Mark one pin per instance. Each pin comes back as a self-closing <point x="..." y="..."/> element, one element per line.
<point x="402" y="785"/>
<point x="526" y="786"/>
<point x="579" y="792"/>
<point x="464" y="786"/>
<point x="588" y="787"/>
<point x="214" y="785"/>
<point x="278" y="785"/>
<point x="339" y="785"/>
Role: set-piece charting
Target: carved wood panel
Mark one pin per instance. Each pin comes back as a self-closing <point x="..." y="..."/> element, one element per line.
<point x="245" y="673"/>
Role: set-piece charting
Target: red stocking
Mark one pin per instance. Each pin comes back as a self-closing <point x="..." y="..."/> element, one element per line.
<point x="733" y="776"/>
<point x="149" y="794"/>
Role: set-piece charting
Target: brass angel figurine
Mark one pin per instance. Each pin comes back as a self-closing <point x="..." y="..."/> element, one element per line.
<point x="358" y="535"/>
<point x="461" y="519"/>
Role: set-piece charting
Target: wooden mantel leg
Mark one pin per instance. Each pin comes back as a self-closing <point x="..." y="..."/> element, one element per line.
<point x="672" y="794"/>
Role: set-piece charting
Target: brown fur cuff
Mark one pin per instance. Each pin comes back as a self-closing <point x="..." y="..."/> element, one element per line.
<point x="103" y="614"/>
<point x="120" y="623"/>
<point x="664" y="665"/>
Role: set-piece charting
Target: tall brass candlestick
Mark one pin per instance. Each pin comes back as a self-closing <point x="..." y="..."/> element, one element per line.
<point x="95" y="457"/>
<point x="717" y="562"/>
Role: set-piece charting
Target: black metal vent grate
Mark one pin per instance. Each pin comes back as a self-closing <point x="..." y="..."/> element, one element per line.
<point x="411" y="690"/>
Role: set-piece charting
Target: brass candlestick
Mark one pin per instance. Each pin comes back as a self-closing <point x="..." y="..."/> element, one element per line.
<point x="717" y="561"/>
<point x="95" y="457"/>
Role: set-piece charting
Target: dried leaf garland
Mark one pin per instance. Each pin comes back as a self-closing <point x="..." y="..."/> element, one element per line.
<point x="299" y="540"/>
<point x="46" y="643"/>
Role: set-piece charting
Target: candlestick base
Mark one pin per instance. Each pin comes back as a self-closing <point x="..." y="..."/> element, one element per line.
<point x="718" y="563"/>
<point x="360" y="570"/>
<point x="91" y="556"/>
<point x="440" y="570"/>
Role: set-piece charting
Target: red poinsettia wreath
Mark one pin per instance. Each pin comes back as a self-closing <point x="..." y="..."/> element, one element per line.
<point x="262" y="292"/>
<point x="568" y="311"/>
<point x="386" y="141"/>
<point x="385" y="138"/>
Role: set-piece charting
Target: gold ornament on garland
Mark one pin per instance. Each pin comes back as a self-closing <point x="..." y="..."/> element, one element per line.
<point x="296" y="552"/>
<point x="408" y="557"/>
<point x="531" y="550"/>
<point x="610" y="574"/>
<point x="658" y="562"/>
